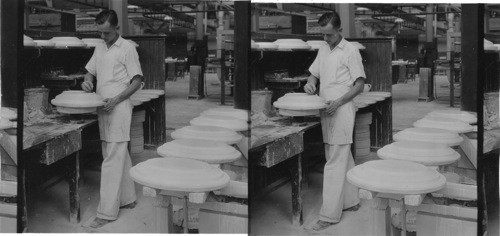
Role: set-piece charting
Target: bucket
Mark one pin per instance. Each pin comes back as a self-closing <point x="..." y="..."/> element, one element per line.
<point x="261" y="102"/>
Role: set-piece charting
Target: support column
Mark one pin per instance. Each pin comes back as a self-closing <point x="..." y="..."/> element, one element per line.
<point x="346" y="13"/>
<point x="241" y="55"/>
<point x="121" y="8"/>
<point x="255" y="20"/>
<point x="199" y="21"/>
<point x="472" y="56"/>
<point x="429" y="29"/>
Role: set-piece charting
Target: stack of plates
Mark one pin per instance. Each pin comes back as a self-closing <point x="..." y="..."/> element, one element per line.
<point x="488" y="45"/>
<point x="77" y="102"/>
<point x="228" y="111"/>
<point x="425" y="153"/>
<point x="316" y="44"/>
<point x="288" y="44"/>
<point x="68" y="42"/>
<point x="93" y="42"/>
<point x="433" y="135"/>
<point x="453" y="125"/>
<point x="299" y="104"/>
<point x="362" y="134"/>
<point x="228" y="122"/>
<point x="28" y="42"/>
<point x="208" y="151"/>
<point x="137" y="132"/>
<point x="467" y="117"/>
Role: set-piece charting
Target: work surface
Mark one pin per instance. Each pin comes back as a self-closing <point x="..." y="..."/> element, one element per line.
<point x="54" y="126"/>
<point x="279" y="128"/>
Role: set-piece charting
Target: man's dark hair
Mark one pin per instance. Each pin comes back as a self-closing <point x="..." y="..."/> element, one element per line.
<point x="107" y="15"/>
<point x="330" y="17"/>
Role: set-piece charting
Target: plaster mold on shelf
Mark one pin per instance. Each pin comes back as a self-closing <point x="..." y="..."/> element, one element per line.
<point x="467" y="117"/>
<point x="213" y="133"/>
<point x="28" y="42"/>
<point x="68" y="42"/>
<point x="45" y="43"/>
<point x="179" y="174"/>
<point x="453" y="125"/>
<point x="228" y="111"/>
<point x="286" y="112"/>
<point x="254" y="45"/>
<point x="221" y="121"/>
<point x="266" y="45"/>
<point x="425" y="153"/>
<point x="396" y="177"/>
<point x="433" y="135"/>
<point x="291" y="44"/>
<point x="208" y="151"/>
<point x="93" y="42"/>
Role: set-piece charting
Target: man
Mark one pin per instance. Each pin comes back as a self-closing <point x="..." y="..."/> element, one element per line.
<point x="339" y="68"/>
<point x="116" y="67"/>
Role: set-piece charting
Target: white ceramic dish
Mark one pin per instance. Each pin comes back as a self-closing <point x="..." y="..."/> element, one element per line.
<point x="179" y="174"/>
<point x="28" y="42"/>
<point x="452" y="125"/>
<point x="433" y="135"/>
<point x="93" y="42"/>
<point x="45" y="43"/>
<point x="208" y="151"/>
<point x="68" y="42"/>
<point x="213" y="133"/>
<point x="464" y="116"/>
<point x="228" y="111"/>
<point x="425" y="153"/>
<point x="78" y="99"/>
<point x="300" y="101"/>
<point x="221" y="121"/>
<point x="397" y="177"/>
<point x="158" y="92"/>
<point x="266" y="45"/>
<point x="293" y="113"/>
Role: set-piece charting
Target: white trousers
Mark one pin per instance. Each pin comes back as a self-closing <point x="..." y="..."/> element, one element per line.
<point x="338" y="193"/>
<point x="117" y="188"/>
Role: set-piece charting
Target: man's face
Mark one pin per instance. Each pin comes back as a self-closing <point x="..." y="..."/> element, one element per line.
<point x="330" y="34"/>
<point x="108" y="32"/>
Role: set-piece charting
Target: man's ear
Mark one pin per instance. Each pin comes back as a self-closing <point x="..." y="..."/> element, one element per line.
<point x="340" y="29"/>
<point x="117" y="27"/>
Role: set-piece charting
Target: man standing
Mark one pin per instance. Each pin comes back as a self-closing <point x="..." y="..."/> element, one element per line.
<point x="116" y="67"/>
<point x="339" y="69"/>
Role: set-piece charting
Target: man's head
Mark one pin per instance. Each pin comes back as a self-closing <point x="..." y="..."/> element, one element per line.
<point x="107" y="24"/>
<point x="330" y="27"/>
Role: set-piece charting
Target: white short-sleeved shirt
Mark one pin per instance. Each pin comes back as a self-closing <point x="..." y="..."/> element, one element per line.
<point x="114" y="67"/>
<point x="337" y="69"/>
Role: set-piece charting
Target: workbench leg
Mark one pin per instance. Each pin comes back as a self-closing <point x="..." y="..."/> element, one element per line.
<point x="163" y="221"/>
<point x="296" y="179"/>
<point x="74" y="193"/>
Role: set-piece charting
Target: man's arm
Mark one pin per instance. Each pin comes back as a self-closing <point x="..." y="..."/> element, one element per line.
<point x="87" y="84"/>
<point x="310" y="87"/>
<point x="135" y="84"/>
<point x="358" y="87"/>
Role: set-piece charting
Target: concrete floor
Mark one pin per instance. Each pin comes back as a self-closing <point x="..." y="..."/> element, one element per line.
<point x="48" y="211"/>
<point x="271" y="215"/>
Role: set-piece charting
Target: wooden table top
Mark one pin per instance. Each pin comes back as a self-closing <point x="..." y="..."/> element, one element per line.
<point x="53" y="127"/>
<point x="278" y="129"/>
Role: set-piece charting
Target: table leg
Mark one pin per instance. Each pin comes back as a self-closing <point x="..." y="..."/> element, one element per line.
<point x="296" y="179"/>
<point x="74" y="193"/>
<point x="403" y="219"/>
<point x="186" y="215"/>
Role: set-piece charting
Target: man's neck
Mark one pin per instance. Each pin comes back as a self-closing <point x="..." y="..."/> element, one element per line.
<point x="114" y="41"/>
<point x="336" y="43"/>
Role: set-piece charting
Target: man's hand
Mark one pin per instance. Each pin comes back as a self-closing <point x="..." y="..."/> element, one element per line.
<point x="87" y="86"/>
<point x="332" y="106"/>
<point x="110" y="104"/>
<point x="310" y="88"/>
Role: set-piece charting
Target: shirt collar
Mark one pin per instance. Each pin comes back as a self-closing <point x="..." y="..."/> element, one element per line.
<point x="118" y="42"/>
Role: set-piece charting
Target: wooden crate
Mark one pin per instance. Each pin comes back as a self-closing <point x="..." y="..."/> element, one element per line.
<point x="223" y="218"/>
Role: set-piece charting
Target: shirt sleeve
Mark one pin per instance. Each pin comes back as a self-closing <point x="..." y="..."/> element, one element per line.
<point x="314" y="68"/>
<point x="356" y="68"/>
<point x="91" y="64"/>
<point x="132" y="63"/>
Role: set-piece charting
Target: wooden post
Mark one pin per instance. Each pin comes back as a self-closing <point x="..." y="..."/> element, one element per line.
<point x="296" y="179"/>
<point x="425" y="79"/>
<point x="472" y="56"/>
<point x="195" y="75"/>
<point x="223" y="74"/>
<point x="74" y="193"/>
<point x="162" y="212"/>
<point x="241" y="55"/>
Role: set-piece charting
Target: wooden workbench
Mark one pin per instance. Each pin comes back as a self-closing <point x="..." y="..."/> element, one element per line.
<point x="278" y="142"/>
<point x="58" y="141"/>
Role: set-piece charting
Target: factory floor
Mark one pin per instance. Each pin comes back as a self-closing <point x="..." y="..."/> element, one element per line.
<point x="271" y="215"/>
<point x="48" y="211"/>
